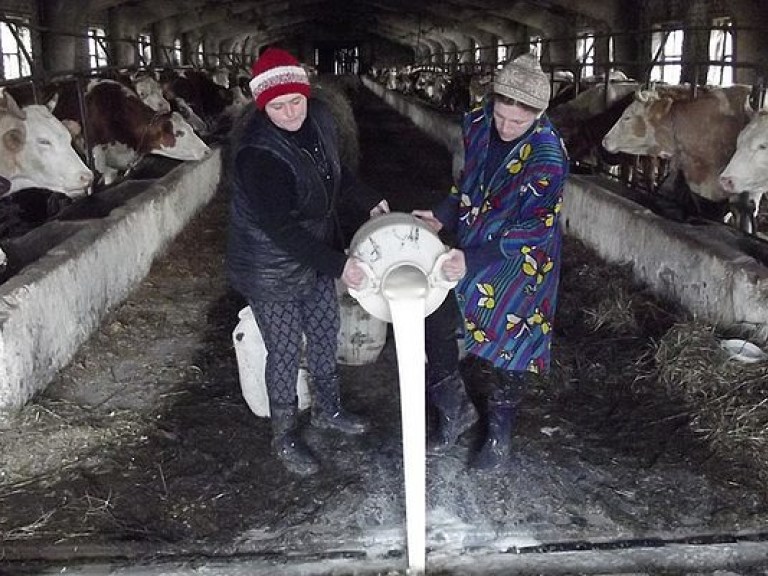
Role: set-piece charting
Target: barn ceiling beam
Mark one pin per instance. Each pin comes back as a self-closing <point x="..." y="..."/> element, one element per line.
<point x="436" y="26"/>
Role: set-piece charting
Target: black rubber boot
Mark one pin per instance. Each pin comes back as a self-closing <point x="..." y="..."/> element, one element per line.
<point x="327" y="412"/>
<point x="287" y="444"/>
<point x="455" y="411"/>
<point x="502" y="412"/>
<point x="497" y="447"/>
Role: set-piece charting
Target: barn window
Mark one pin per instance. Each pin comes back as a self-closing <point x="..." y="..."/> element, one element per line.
<point x="346" y="60"/>
<point x="501" y="54"/>
<point x="536" y="46"/>
<point x="16" y="47"/>
<point x="667" y="53"/>
<point x="585" y="52"/>
<point x="721" y="50"/>
<point x="97" y="47"/>
<point x="145" y="49"/>
<point x="200" y="54"/>
<point x="176" y="52"/>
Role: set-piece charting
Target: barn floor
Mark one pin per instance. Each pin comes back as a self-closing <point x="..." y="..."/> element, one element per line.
<point x="143" y="458"/>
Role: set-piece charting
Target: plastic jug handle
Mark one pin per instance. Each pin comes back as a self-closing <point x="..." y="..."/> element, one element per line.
<point x="436" y="277"/>
<point x="371" y="286"/>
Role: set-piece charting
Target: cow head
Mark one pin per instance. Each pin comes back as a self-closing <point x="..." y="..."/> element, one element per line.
<point x="642" y="128"/>
<point x="172" y="136"/>
<point x="151" y="93"/>
<point x="46" y="159"/>
<point x="748" y="169"/>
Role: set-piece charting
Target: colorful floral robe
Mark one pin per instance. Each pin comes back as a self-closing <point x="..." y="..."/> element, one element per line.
<point x="509" y="303"/>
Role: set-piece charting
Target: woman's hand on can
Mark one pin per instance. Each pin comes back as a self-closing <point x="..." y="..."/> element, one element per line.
<point x="429" y="218"/>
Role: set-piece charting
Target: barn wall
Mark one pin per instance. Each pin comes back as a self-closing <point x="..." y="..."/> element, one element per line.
<point x="50" y="309"/>
<point x="700" y="267"/>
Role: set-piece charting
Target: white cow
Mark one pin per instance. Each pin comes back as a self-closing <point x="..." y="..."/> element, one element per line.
<point x="37" y="151"/>
<point x="747" y="172"/>
<point x="13" y="133"/>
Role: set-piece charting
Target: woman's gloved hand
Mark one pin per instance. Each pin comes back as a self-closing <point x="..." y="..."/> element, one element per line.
<point x="429" y="218"/>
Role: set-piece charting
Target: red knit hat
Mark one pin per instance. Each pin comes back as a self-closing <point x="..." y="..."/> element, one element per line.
<point x="277" y="73"/>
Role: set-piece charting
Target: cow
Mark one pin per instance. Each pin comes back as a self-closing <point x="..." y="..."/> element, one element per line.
<point x="479" y="85"/>
<point x="746" y="174"/>
<point x="220" y="76"/>
<point x="151" y="93"/>
<point x="696" y="134"/>
<point x="121" y="129"/>
<point x="37" y="151"/>
<point x="584" y="121"/>
<point x="206" y="98"/>
<point x="13" y="134"/>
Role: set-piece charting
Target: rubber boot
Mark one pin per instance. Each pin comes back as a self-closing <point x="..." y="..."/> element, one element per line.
<point x="287" y="444"/>
<point x="327" y="412"/>
<point x="502" y="412"/>
<point x="455" y="412"/>
<point x="497" y="446"/>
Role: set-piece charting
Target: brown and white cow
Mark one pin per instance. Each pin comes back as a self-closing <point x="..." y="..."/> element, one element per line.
<point x="746" y="174"/>
<point x="37" y="152"/>
<point x="151" y="92"/>
<point x="584" y="121"/>
<point x="697" y="134"/>
<point x="121" y="129"/>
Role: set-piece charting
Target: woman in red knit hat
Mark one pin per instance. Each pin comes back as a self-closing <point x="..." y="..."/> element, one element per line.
<point x="290" y="197"/>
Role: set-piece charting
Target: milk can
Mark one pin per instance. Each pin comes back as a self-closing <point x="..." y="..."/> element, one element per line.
<point x="389" y="244"/>
<point x="361" y="336"/>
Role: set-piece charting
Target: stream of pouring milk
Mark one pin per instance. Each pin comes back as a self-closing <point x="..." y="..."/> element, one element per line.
<point x="408" y="324"/>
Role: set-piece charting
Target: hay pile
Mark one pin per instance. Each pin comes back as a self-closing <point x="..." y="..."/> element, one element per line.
<point x="727" y="399"/>
<point x="621" y="341"/>
<point x="48" y="436"/>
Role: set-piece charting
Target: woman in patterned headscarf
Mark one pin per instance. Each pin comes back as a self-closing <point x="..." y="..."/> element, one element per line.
<point x="505" y="216"/>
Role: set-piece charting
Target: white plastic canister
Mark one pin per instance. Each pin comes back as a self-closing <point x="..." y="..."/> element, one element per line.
<point x="360" y="341"/>
<point x="251" y="358"/>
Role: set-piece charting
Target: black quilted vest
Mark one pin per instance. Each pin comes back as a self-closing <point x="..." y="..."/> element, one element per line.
<point x="257" y="268"/>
